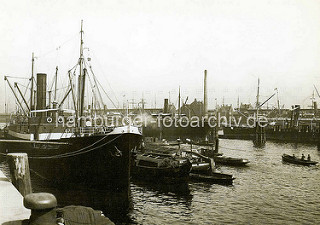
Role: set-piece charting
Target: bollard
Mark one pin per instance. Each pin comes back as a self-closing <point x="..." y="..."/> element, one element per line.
<point x="19" y="172"/>
<point x="42" y="207"/>
<point x="44" y="211"/>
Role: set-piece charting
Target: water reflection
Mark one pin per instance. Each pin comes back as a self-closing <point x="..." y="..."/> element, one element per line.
<point x="114" y="204"/>
<point x="267" y="191"/>
<point x="156" y="203"/>
<point x="180" y="192"/>
<point x="118" y="206"/>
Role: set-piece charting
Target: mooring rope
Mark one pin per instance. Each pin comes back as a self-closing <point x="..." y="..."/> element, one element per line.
<point x="39" y="175"/>
<point x="77" y="152"/>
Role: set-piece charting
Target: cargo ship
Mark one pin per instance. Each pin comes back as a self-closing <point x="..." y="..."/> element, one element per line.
<point x="64" y="146"/>
<point x="295" y="129"/>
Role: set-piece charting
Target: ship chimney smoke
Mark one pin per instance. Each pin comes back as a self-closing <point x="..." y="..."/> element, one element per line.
<point x="205" y="98"/>
<point x="41" y="90"/>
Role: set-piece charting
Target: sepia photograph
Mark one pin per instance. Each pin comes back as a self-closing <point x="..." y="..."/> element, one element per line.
<point x="159" y="112"/>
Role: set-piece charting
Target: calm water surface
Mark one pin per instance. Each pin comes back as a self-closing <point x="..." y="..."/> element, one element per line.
<point x="267" y="191"/>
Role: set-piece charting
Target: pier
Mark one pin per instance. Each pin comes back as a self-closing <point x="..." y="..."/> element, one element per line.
<point x="11" y="207"/>
<point x="20" y="206"/>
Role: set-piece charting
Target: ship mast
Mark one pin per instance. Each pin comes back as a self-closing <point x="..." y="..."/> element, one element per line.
<point x="257" y="103"/>
<point x="31" y="94"/>
<point x="205" y="97"/>
<point x="179" y="110"/>
<point x="278" y="102"/>
<point x="55" y="89"/>
<point x="81" y="80"/>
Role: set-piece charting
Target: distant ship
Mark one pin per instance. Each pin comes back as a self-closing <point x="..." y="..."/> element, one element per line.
<point x="84" y="153"/>
<point x="179" y="129"/>
<point x="293" y="129"/>
<point x="179" y="125"/>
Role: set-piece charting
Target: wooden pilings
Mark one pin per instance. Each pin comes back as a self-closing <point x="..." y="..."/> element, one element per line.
<point x="260" y="136"/>
<point x="19" y="172"/>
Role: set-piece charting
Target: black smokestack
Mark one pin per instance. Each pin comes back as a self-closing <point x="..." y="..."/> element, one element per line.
<point x="166" y="106"/>
<point x="205" y="97"/>
<point x="41" y="90"/>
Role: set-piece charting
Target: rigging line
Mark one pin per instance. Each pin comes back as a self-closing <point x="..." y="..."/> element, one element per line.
<point x="78" y="152"/>
<point x="74" y="67"/>
<point x="5" y="99"/>
<point x="27" y="87"/>
<point x="24" y="78"/>
<point x="52" y="83"/>
<point x="96" y="85"/>
<point x="25" y="92"/>
<point x="89" y="150"/>
<point x="39" y="175"/>
<point x="83" y="152"/>
<point x="104" y="76"/>
<point x="107" y="95"/>
<point x="62" y="88"/>
<point x="70" y="153"/>
<point x="92" y="88"/>
<point x="58" y="47"/>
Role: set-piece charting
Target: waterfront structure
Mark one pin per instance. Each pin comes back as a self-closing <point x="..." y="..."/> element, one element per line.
<point x="62" y="145"/>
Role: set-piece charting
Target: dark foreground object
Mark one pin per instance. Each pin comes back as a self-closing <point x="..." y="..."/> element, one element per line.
<point x="294" y="160"/>
<point x="99" y="161"/>
<point x="44" y="212"/>
<point x="19" y="172"/>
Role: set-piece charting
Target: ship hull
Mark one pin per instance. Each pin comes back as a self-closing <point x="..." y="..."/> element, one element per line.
<point x="99" y="161"/>
<point x="285" y="135"/>
<point x="242" y="133"/>
<point x="173" y="132"/>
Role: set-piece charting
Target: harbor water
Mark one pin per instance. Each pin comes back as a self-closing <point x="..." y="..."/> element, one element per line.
<point x="267" y="191"/>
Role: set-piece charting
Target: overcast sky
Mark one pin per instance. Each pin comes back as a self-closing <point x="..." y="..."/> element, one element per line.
<point x="150" y="48"/>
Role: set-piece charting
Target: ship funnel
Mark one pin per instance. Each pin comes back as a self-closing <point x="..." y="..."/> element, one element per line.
<point x="41" y="90"/>
<point x="205" y="97"/>
<point x="166" y="106"/>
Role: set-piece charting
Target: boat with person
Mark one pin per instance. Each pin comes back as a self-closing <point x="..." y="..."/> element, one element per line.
<point x="70" y="146"/>
<point x="203" y="169"/>
<point x="220" y="159"/>
<point x="292" y="159"/>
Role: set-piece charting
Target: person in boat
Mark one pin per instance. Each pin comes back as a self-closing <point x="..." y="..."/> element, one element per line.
<point x="302" y="157"/>
<point x="309" y="157"/>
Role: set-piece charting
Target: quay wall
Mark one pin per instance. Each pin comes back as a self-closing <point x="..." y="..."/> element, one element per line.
<point x="11" y="202"/>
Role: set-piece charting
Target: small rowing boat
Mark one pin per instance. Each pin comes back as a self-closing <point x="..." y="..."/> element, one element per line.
<point x="292" y="159"/>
